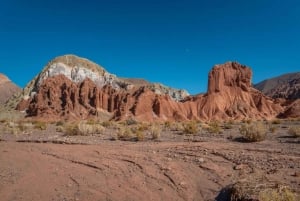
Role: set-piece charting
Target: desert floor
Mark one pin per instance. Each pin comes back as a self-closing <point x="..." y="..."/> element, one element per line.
<point x="47" y="165"/>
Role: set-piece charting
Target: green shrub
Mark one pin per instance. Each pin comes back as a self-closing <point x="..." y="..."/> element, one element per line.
<point x="253" y="132"/>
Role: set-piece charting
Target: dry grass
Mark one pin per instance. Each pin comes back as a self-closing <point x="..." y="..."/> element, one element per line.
<point x="40" y="125"/>
<point x="155" y="131"/>
<point x="294" y="131"/>
<point x="190" y="128"/>
<point x="214" y="127"/>
<point x="279" y="194"/>
<point x="261" y="190"/>
<point x="253" y="132"/>
<point x="83" y="128"/>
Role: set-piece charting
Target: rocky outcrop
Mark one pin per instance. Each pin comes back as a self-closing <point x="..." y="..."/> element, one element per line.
<point x="285" y="86"/>
<point x="78" y="69"/>
<point x="7" y="89"/>
<point x="229" y="96"/>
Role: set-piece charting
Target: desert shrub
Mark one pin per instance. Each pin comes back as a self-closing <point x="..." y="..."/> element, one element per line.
<point x="60" y="129"/>
<point x="106" y="124"/>
<point x="176" y="126"/>
<point x="190" y="127"/>
<point x="83" y="129"/>
<point x="276" y="121"/>
<point x="272" y="129"/>
<point x="131" y="121"/>
<point x="59" y="123"/>
<point x="253" y="132"/>
<point x="294" y="131"/>
<point x="139" y="135"/>
<point x="124" y="133"/>
<point x="167" y="125"/>
<point x="281" y="194"/>
<point x="71" y="129"/>
<point x="214" y="127"/>
<point x="258" y="190"/>
<point x="247" y="121"/>
<point x="155" y="131"/>
<point x="142" y="127"/>
<point x="228" y="125"/>
<point x="40" y="125"/>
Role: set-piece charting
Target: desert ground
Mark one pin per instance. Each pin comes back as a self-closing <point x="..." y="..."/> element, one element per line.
<point x="53" y="162"/>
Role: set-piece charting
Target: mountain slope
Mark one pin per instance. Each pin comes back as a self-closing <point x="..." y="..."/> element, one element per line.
<point x="285" y="86"/>
<point x="7" y="89"/>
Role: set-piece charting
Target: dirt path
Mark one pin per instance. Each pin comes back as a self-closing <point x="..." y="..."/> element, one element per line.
<point x="137" y="171"/>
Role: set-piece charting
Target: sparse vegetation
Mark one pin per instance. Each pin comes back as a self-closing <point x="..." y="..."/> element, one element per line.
<point x="40" y="125"/>
<point x="139" y="135"/>
<point x="82" y="129"/>
<point x="276" y="121"/>
<point x="155" y="132"/>
<point x="294" y="131"/>
<point x="253" y="132"/>
<point x="190" y="127"/>
<point x="279" y="194"/>
<point x="124" y="133"/>
<point x="214" y="127"/>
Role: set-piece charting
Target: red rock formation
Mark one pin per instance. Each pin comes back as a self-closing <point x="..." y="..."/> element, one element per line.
<point x="229" y="96"/>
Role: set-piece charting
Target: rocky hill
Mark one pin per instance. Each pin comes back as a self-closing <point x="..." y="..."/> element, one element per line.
<point x="75" y="88"/>
<point x="285" y="86"/>
<point x="7" y="89"/>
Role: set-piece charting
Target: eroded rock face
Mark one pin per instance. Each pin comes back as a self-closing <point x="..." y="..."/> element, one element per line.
<point x="78" y="69"/>
<point x="229" y="96"/>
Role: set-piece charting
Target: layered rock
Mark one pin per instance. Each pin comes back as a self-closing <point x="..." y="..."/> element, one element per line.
<point x="78" y="69"/>
<point x="286" y="86"/>
<point x="7" y="89"/>
<point x="229" y="96"/>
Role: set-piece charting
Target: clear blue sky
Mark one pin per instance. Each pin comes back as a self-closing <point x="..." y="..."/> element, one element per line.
<point x="172" y="42"/>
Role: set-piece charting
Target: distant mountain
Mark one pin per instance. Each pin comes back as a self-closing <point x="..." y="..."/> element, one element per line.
<point x="7" y="89"/>
<point x="285" y="86"/>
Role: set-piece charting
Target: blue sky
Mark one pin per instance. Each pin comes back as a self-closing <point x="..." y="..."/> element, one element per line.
<point x="172" y="42"/>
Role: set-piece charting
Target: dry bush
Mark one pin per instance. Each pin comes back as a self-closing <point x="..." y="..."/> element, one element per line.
<point x="59" y="123"/>
<point x="272" y="129"/>
<point x="294" y="131"/>
<point x="83" y="129"/>
<point x="125" y="133"/>
<point x="40" y="125"/>
<point x="143" y="127"/>
<point x="214" y="127"/>
<point x="176" y="126"/>
<point x="261" y="191"/>
<point x="155" y="131"/>
<point x="254" y="132"/>
<point x="139" y="135"/>
<point x="280" y="194"/>
<point x="276" y="121"/>
<point x="167" y="125"/>
<point x="190" y="127"/>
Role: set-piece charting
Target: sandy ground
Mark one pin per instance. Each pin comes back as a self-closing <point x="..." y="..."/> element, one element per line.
<point x="43" y="167"/>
